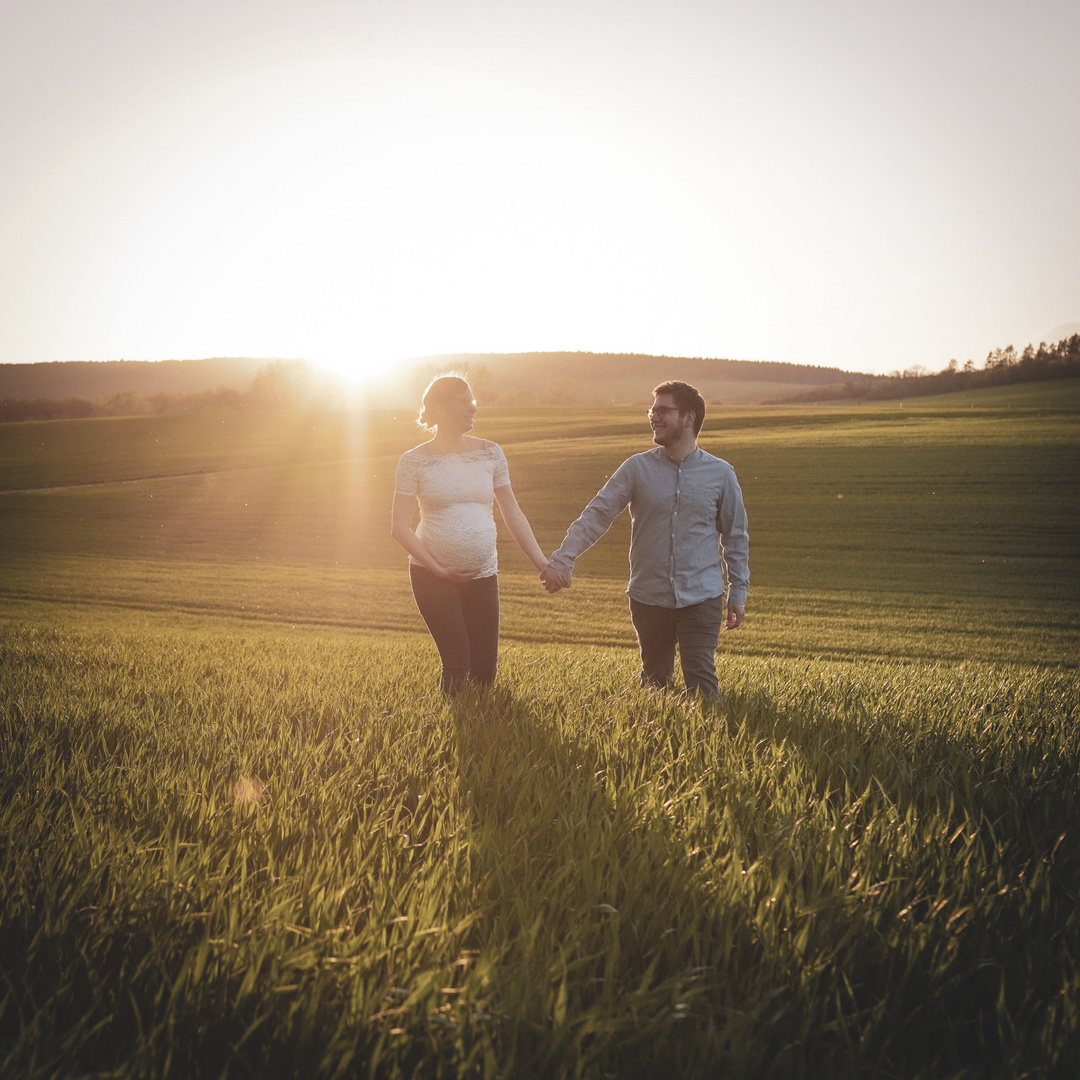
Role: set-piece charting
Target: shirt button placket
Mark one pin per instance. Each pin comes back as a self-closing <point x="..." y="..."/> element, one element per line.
<point x="674" y="523"/>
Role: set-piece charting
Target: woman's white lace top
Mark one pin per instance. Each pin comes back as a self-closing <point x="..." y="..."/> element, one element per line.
<point x="455" y="493"/>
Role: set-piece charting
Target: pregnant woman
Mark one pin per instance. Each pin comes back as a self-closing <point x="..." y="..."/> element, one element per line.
<point x="454" y="478"/>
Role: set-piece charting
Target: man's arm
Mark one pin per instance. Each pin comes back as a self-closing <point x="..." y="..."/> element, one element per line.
<point x="735" y="550"/>
<point x="595" y="520"/>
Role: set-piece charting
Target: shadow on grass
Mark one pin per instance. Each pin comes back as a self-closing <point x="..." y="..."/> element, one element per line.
<point x="599" y="926"/>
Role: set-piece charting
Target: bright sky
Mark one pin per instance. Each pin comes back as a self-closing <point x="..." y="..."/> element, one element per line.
<point x="870" y="185"/>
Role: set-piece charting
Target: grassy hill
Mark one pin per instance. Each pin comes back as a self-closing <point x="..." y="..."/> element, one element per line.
<point x="1048" y="395"/>
<point x="576" y="378"/>
<point x="930" y="506"/>
<point x="509" y="379"/>
<point x="243" y="834"/>
<point x="96" y="379"/>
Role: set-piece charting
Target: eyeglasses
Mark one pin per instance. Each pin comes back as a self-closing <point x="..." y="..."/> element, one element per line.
<point x="659" y="410"/>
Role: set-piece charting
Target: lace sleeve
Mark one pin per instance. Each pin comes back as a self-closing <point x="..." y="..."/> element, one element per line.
<point x="501" y="477"/>
<point x="405" y="481"/>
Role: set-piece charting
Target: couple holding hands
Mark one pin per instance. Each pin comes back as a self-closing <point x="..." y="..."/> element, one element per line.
<point x="688" y="534"/>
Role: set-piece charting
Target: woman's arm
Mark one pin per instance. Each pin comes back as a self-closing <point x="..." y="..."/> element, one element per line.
<point x="519" y="526"/>
<point x="402" y="531"/>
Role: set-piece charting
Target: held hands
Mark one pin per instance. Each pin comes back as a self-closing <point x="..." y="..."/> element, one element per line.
<point x="554" y="580"/>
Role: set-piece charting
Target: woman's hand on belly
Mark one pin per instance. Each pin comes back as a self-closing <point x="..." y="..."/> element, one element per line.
<point x="458" y="574"/>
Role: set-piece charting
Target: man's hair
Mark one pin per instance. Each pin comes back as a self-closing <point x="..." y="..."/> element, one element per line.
<point x="687" y="399"/>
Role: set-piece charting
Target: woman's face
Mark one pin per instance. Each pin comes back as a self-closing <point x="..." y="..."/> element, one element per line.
<point x="457" y="411"/>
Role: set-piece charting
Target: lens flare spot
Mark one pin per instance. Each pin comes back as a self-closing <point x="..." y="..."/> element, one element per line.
<point x="248" y="790"/>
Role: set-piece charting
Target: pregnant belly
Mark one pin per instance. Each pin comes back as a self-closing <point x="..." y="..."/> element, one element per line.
<point x="467" y="541"/>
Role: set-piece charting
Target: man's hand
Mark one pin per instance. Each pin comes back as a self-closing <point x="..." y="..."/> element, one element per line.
<point x="554" y="580"/>
<point x="735" y="615"/>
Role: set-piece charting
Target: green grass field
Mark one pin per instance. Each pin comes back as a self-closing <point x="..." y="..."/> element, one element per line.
<point x="243" y="835"/>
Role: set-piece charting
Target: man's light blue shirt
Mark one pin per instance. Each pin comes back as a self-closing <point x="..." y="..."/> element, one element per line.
<point x="688" y="528"/>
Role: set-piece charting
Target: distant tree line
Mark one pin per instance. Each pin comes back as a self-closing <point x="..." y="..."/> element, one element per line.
<point x="93" y="379"/>
<point x="1002" y="366"/>
<point x="278" y="384"/>
<point x="286" y="384"/>
<point x="126" y="403"/>
<point x="509" y="368"/>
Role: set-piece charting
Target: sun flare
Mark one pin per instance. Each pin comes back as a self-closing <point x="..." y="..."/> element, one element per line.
<point x="359" y="239"/>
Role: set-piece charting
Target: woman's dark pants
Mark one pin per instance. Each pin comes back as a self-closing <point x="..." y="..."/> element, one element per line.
<point x="463" y="618"/>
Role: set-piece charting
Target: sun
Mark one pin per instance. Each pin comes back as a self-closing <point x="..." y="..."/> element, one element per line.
<point x="398" y="226"/>
<point x="358" y="370"/>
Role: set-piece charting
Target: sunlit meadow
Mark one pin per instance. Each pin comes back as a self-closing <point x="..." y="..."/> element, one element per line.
<point x="244" y="835"/>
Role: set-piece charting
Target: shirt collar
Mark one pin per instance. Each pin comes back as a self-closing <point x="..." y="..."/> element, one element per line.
<point x="668" y="457"/>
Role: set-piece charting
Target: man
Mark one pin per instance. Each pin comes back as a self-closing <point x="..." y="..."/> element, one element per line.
<point x="688" y="526"/>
